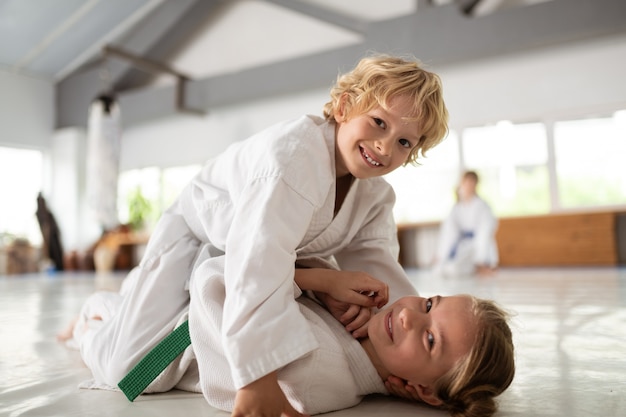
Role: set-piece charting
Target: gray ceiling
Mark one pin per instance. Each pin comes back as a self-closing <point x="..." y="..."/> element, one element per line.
<point x="63" y="40"/>
<point x="54" y="38"/>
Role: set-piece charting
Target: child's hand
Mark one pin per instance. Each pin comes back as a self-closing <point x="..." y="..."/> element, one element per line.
<point x="345" y="286"/>
<point x="359" y="288"/>
<point x="398" y="387"/>
<point x="263" y="398"/>
<point x="348" y="295"/>
<point x="354" y="317"/>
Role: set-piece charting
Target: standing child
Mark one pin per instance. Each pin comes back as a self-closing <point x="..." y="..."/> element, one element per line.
<point x="305" y="188"/>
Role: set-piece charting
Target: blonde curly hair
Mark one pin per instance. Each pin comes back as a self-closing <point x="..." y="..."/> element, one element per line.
<point x="377" y="79"/>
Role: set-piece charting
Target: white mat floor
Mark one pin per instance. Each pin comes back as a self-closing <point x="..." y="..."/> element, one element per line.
<point x="570" y="334"/>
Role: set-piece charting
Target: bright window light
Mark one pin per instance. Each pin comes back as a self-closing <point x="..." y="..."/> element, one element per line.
<point x="590" y="161"/>
<point x="426" y="192"/>
<point x="511" y="160"/>
<point x="21" y="173"/>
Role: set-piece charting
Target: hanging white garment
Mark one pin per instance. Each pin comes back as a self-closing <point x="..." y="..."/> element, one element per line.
<point x="103" y="154"/>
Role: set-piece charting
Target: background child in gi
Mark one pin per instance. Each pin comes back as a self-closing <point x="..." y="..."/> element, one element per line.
<point x="308" y="187"/>
<point x="467" y="242"/>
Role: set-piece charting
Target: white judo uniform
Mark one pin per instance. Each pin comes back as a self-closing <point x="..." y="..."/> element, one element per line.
<point x="336" y="375"/>
<point x="244" y="220"/>
<point x="467" y="238"/>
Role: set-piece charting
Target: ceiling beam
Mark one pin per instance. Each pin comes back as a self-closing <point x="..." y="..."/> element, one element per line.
<point x="156" y="67"/>
<point x="95" y="49"/>
<point x="76" y="91"/>
<point x="168" y="42"/>
<point x="332" y="17"/>
<point x="438" y="36"/>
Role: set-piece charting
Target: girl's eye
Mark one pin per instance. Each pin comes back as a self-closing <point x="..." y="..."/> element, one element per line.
<point x="379" y="122"/>
<point x="431" y="340"/>
<point x="429" y="304"/>
<point x="405" y="143"/>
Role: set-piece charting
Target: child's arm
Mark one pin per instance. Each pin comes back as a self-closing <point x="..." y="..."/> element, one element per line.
<point x="349" y="296"/>
<point x="263" y="397"/>
<point x="346" y="286"/>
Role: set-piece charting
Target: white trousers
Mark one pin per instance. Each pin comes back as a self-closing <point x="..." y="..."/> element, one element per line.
<point x="155" y="302"/>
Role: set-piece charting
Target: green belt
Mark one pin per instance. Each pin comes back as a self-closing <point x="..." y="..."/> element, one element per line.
<point x="146" y="371"/>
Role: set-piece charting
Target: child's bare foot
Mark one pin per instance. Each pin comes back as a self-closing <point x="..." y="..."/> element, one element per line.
<point x="485" y="271"/>
<point x="67" y="333"/>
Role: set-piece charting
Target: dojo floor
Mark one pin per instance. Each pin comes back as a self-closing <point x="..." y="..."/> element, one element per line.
<point x="569" y="326"/>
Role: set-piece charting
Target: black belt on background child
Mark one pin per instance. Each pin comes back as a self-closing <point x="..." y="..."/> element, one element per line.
<point x="155" y="362"/>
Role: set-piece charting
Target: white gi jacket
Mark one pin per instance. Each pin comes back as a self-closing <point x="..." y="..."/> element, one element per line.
<point x="333" y="376"/>
<point x="263" y="203"/>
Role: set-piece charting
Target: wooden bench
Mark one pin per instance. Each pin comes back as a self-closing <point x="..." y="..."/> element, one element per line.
<point x="558" y="240"/>
<point x="577" y="239"/>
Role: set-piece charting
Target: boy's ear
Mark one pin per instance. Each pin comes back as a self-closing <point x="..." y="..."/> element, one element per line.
<point x="340" y="111"/>
<point x="427" y="395"/>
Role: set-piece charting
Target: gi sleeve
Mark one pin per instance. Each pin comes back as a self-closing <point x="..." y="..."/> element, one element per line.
<point x="263" y="328"/>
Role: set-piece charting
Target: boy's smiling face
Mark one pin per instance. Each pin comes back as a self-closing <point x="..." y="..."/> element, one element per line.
<point x="420" y="339"/>
<point x="376" y="142"/>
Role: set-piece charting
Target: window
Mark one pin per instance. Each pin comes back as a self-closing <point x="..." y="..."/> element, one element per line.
<point x="155" y="188"/>
<point x="174" y="180"/>
<point x="426" y="192"/>
<point x="511" y="160"/>
<point x="590" y="161"/>
<point x="139" y="188"/>
<point x="21" y="173"/>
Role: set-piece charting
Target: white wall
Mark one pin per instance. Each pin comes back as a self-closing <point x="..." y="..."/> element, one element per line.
<point x="567" y="81"/>
<point x="188" y="139"/>
<point x="553" y="82"/>
<point x="26" y="111"/>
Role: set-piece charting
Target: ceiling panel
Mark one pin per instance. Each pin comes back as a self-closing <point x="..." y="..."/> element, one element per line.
<point x="25" y="23"/>
<point x="90" y="29"/>
<point x="372" y="10"/>
<point x="41" y="38"/>
<point x="53" y="38"/>
<point x="256" y="33"/>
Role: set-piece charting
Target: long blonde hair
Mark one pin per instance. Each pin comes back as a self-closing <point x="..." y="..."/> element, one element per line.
<point x="470" y="387"/>
<point x="377" y="79"/>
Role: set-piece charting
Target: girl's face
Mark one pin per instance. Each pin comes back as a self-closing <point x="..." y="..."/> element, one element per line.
<point x="420" y="339"/>
<point x="376" y="142"/>
<point x="467" y="188"/>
